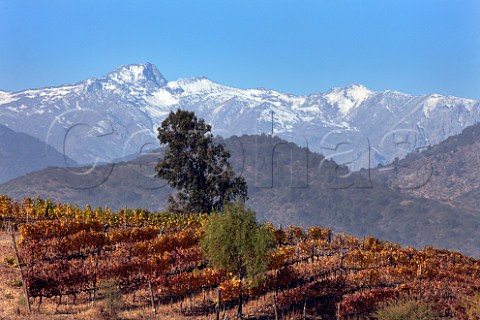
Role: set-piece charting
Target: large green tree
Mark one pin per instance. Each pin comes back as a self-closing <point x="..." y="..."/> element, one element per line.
<point x="236" y="243"/>
<point x="196" y="166"/>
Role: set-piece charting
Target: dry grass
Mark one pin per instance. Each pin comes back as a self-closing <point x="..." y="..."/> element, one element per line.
<point x="11" y="294"/>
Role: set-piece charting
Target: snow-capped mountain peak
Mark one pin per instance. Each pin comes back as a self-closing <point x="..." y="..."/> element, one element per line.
<point x="348" y="98"/>
<point x="136" y="77"/>
<point x="138" y="74"/>
<point x="358" y="91"/>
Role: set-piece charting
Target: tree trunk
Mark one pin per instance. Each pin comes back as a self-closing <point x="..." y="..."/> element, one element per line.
<point x="240" y="302"/>
<point x="240" y="306"/>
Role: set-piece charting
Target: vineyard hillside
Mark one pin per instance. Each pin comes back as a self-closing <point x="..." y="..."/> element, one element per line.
<point x="134" y="264"/>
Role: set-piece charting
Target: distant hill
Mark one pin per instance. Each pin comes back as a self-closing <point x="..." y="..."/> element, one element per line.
<point x="21" y="154"/>
<point x="448" y="172"/>
<point x="287" y="185"/>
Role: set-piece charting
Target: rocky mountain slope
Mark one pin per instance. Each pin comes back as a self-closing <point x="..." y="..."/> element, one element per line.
<point x="106" y="118"/>
<point x="447" y="172"/>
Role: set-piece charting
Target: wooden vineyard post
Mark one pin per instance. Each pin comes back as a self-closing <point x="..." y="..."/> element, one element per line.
<point x="21" y="273"/>
<point x="152" y="300"/>
<point x="305" y="309"/>
<point x="420" y="282"/>
<point x="275" y="305"/>
<point x="217" y="317"/>
<point x="95" y="273"/>
<point x="339" y="308"/>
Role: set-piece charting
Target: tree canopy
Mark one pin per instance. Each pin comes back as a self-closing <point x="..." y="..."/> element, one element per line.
<point x="235" y="242"/>
<point x="196" y="166"/>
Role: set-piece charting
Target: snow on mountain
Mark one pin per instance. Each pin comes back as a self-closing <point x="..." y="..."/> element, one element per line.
<point x="6" y="97"/>
<point x="129" y="79"/>
<point x="106" y="118"/>
<point x="348" y="98"/>
<point x="434" y="101"/>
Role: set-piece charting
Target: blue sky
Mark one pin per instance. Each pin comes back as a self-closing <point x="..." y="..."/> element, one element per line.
<point x="300" y="47"/>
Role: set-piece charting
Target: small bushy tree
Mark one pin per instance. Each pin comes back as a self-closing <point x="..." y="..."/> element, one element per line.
<point x="236" y="243"/>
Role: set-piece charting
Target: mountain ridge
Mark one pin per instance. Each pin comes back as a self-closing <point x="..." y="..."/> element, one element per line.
<point x="110" y="117"/>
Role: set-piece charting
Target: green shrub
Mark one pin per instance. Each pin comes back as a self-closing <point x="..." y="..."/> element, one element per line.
<point x="16" y="283"/>
<point x="406" y="310"/>
<point x="11" y="261"/>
